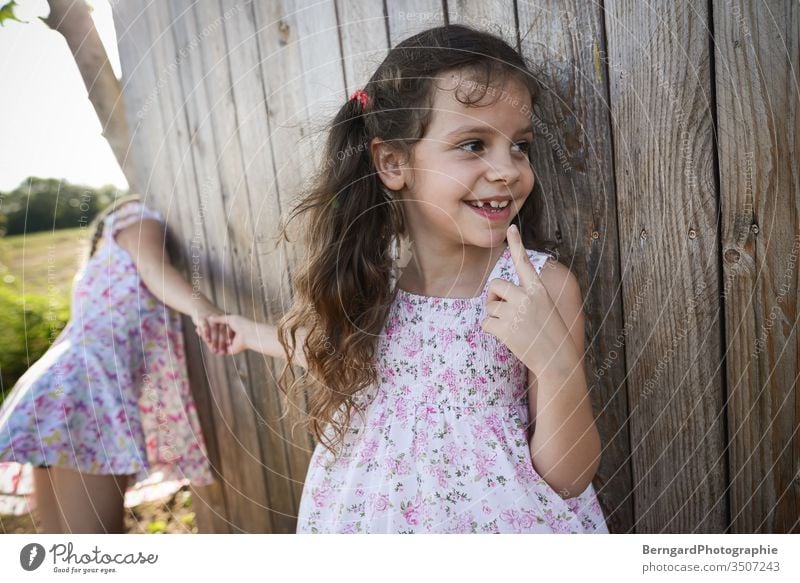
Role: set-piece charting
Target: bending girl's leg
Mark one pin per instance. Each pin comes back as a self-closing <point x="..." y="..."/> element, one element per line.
<point x="46" y="502"/>
<point x="90" y="503"/>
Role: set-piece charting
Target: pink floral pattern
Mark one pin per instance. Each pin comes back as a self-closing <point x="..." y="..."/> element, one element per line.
<point x="111" y="395"/>
<point x="442" y="446"/>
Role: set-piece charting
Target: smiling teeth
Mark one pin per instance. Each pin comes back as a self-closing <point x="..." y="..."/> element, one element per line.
<point x="495" y="204"/>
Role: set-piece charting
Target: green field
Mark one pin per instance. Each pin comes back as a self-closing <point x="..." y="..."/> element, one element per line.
<point x="42" y="263"/>
<point x="36" y="273"/>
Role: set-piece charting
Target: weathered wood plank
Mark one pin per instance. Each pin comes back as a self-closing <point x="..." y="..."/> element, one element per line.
<point x="303" y="81"/>
<point x="757" y="57"/>
<point x="268" y="463"/>
<point x="408" y="17"/>
<point x="236" y="430"/>
<point x="667" y="199"/>
<point x="254" y="213"/>
<point x="364" y="30"/>
<point x="495" y="16"/>
<point x="209" y="502"/>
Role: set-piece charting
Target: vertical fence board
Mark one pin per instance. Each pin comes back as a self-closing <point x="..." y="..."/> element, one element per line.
<point x="757" y="62"/>
<point x="408" y="17"/>
<point x="269" y="462"/>
<point x="363" y="27"/>
<point x="237" y="429"/>
<point x="209" y="502"/>
<point x="495" y="16"/>
<point x="301" y="60"/>
<point x="253" y="214"/>
<point x="667" y="199"/>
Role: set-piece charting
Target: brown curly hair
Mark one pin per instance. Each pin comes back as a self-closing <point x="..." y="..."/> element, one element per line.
<point x="343" y="291"/>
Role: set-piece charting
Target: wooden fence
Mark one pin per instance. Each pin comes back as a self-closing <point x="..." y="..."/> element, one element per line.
<point x="667" y="152"/>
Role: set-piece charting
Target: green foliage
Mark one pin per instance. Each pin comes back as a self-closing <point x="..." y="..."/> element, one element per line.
<point x="7" y="12"/>
<point x="30" y="324"/>
<point x="188" y="519"/>
<point x="40" y="204"/>
<point x="157" y="527"/>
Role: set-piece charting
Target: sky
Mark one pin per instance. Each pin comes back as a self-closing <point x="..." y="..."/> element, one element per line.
<point x="48" y="126"/>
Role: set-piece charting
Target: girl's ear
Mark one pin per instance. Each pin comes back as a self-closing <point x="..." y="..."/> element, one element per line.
<point x="388" y="163"/>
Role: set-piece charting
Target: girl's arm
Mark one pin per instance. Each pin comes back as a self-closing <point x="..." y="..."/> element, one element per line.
<point x="263" y="338"/>
<point x="565" y="447"/>
<point x="144" y="242"/>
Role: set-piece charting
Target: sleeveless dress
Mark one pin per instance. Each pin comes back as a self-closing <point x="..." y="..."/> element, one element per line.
<point x="442" y="446"/>
<point x="111" y="394"/>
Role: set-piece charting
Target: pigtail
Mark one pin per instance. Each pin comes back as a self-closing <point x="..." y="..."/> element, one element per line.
<point x="343" y="291"/>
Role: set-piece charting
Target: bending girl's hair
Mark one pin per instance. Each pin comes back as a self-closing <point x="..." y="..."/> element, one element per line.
<point x="343" y="289"/>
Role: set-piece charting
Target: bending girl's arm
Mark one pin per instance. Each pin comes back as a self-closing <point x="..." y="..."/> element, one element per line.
<point x="263" y="338"/>
<point x="144" y="242"/>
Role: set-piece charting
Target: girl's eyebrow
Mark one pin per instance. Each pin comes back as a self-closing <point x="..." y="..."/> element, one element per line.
<point x="484" y="130"/>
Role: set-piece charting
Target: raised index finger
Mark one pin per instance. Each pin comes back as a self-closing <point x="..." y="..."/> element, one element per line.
<point x="528" y="278"/>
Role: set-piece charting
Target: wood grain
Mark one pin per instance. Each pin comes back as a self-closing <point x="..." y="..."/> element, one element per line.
<point x="757" y="57"/>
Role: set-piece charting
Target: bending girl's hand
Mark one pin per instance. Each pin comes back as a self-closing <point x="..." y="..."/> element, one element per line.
<point x="214" y="335"/>
<point x="238" y="330"/>
<point x="524" y="317"/>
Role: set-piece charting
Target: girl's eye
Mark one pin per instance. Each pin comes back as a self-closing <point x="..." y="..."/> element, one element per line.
<point x="525" y="147"/>
<point x="466" y="144"/>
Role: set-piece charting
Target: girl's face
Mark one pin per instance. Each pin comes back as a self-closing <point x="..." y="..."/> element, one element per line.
<point x="468" y="154"/>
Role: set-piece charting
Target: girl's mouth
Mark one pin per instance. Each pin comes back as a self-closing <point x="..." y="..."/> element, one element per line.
<point x="491" y="213"/>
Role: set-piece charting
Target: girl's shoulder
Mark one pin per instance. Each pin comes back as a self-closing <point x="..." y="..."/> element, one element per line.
<point x="129" y="214"/>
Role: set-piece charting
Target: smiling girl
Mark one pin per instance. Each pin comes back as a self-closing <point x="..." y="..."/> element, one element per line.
<point x="466" y="370"/>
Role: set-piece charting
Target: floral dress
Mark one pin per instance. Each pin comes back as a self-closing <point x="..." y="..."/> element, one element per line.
<point x="442" y="445"/>
<point x="111" y="395"/>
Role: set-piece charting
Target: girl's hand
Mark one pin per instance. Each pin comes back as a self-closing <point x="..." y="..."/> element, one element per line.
<point x="524" y="317"/>
<point x="216" y="336"/>
<point x="239" y="331"/>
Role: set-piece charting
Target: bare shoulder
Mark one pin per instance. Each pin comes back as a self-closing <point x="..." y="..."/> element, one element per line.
<point x="559" y="281"/>
<point x="144" y="238"/>
<point x="563" y="288"/>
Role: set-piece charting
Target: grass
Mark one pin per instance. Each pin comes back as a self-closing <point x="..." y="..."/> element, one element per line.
<point x="42" y="263"/>
<point x="36" y="273"/>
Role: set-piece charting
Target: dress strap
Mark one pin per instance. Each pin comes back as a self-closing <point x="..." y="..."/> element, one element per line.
<point x="509" y="271"/>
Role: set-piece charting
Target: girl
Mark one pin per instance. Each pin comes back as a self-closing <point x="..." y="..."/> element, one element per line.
<point x="474" y="342"/>
<point x="109" y="403"/>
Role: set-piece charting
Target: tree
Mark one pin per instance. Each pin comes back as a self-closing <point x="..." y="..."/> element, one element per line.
<point x="72" y="19"/>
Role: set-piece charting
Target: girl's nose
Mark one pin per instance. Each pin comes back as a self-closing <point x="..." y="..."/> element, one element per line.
<point x="502" y="167"/>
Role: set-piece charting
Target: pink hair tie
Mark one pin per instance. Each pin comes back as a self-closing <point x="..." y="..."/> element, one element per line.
<point x="362" y="96"/>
